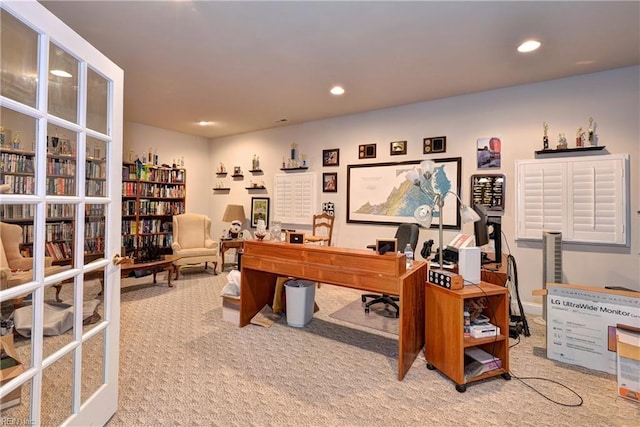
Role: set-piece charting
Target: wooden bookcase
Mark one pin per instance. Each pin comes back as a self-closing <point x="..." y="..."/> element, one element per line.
<point x="151" y="195"/>
<point x="17" y="168"/>
<point x="445" y="342"/>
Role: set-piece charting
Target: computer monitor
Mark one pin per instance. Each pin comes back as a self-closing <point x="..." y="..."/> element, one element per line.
<point x="488" y="227"/>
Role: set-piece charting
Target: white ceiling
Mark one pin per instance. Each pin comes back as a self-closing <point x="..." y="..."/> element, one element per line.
<point x="247" y="65"/>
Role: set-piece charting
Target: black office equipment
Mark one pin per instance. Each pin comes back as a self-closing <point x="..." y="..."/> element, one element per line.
<point x="488" y="227"/>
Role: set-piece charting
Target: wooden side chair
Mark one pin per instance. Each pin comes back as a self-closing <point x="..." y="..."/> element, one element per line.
<point x="322" y="231"/>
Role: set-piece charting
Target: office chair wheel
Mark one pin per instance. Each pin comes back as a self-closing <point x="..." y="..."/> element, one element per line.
<point x="364" y="299"/>
<point x="430" y="367"/>
<point x="506" y="376"/>
<point x="397" y="314"/>
<point x="366" y="310"/>
<point x="461" y="388"/>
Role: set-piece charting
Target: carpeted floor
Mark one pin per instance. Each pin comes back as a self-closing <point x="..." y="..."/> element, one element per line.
<point x="181" y="364"/>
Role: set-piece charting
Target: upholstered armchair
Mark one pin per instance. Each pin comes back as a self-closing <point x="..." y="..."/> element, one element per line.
<point x="192" y="243"/>
<point x="14" y="268"/>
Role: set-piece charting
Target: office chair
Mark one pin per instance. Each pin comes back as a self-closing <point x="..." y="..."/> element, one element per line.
<point x="406" y="233"/>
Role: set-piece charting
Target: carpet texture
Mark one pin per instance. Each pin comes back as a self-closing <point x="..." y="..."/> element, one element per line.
<point x="181" y="364"/>
<point x="379" y="317"/>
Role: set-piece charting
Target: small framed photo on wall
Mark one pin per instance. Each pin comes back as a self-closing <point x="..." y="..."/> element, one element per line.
<point x="398" y="147"/>
<point x="367" y="151"/>
<point x="437" y="144"/>
<point x="330" y="182"/>
<point x="331" y="157"/>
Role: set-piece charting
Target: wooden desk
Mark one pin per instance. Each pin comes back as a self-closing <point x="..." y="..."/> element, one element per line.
<point x="495" y="273"/>
<point x="264" y="262"/>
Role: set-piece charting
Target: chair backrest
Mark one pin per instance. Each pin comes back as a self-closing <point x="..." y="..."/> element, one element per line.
<point x="323" y="226"/>
<point x="191" y="230"/>
<point x="407" y="233"/>
<point x="10" y="240"/>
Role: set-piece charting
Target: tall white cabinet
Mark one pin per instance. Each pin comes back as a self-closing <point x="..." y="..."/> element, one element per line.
<point x="584" y="198"/>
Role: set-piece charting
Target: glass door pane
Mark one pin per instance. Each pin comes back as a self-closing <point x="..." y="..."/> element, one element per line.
<point x="61" y="161"/>
<point x="18" y="60"/>
<point x="17" y="152"/>
<point x="63" y="84"/>
<point x="97" y="92"/>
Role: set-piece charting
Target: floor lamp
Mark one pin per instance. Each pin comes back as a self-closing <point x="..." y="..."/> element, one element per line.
<point x="424" y="213"/>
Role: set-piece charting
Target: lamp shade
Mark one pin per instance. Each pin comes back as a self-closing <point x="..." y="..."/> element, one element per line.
<point x="234" y="212"/>
<point x="424" y="215"/>
<point x="467" y="214"/>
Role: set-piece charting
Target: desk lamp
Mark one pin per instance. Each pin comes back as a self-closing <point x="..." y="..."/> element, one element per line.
<point x="425" y="178"/>
<point x="234" y="213"/>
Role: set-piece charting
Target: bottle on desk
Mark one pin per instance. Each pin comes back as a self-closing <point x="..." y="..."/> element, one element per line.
<point x="408" y="253"/>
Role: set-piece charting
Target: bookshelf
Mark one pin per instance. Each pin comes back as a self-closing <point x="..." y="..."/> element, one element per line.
<point x="17" y="168"/>
<point x="151" y="195"/>
<point x="445" y="342"/>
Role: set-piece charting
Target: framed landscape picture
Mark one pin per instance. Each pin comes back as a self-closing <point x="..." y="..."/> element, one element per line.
<point x="259" y="210"/>
<point x="379" y="193"/>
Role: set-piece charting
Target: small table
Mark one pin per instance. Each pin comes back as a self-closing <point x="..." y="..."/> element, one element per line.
<point x="166" y="263"/>
<point x="225" y="245"/>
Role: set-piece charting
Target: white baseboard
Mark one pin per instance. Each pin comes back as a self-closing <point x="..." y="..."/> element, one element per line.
<point x="530" y="308"/>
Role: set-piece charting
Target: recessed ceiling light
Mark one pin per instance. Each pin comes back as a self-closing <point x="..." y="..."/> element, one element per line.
<point x="61" y="73"/>
<point x="282" y="120"/>
<point x="337" y="90"/>
<point x="529" y="46"/>
<point x="204" y="123"/>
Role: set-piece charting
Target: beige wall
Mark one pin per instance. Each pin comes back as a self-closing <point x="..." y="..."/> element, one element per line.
<point x="515" y="114"/>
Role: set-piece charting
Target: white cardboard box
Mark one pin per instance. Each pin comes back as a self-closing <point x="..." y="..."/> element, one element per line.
<point x="484" y="330"/>
<point x="628" y="350"/>
<point x="231" y="309"/>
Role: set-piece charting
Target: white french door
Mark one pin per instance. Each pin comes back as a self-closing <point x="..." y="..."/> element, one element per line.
<point x="60" y="179"/>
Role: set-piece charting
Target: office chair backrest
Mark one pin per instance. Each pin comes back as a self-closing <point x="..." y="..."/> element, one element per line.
<point x="407" y="233"/>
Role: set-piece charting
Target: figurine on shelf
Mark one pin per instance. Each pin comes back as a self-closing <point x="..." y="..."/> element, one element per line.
<point x="293" y="151"/>
<point x="304" y="160"/>
<point x="254" y="163"/>
<point x="579" y="137"/>
<point x="545" y="137"/>
<point x="562" y="141"/>
<point x="2" y="136"/>
<point x="221" y="168"/>
<point x="592" y="132"/>
<point x="16" y="141"/>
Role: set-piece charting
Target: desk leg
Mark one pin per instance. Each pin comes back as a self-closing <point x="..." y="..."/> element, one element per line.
<point x="411" y="334"/>
<point x="256" y="291"/>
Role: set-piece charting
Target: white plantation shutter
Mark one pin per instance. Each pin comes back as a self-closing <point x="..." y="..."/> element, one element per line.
<point x="597" y="202"/>
<point x="585" y="198"/>
<point x="541" y="203"/>
<point x="295" y="198"/>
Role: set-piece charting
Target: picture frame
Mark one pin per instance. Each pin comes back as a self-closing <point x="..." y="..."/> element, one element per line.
<point x="397" y="148"/>
<point x="259" y="210"/>
<point x="331" y="157"/>
<point x="330" y="182"/>
<point x="386" y="245"/>
<point x="489" y="152"/>
<point x="295" y="237"/>
<point x="374" y="191"/>
<point x="367" y="151"/>
<point x="435" y="144"/>
<point x="488" y="190"/>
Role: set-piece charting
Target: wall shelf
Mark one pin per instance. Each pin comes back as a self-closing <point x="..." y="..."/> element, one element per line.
<point x="221" y="174"/>
<point x="237" y="175"/>
<point x="300" y="168"/>
<point x="262" y="187"/>
<point x="571" y="150"/>
<point x="256" y="171"/>
<point x="222" y="189"/>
